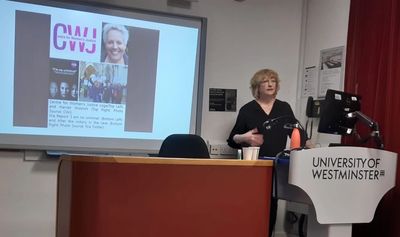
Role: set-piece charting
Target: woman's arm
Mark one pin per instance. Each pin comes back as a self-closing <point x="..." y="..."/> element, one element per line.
<point x="242" y="135"/>
<point x="251" y="138"/>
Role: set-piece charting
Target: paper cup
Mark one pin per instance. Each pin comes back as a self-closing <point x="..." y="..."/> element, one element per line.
<point x="250" y="153"/>
<point x="247" y="153"/>
<point x="256" y="150"/>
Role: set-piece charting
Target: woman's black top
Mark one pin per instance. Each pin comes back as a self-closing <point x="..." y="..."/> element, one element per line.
<point x="251" y="115"/>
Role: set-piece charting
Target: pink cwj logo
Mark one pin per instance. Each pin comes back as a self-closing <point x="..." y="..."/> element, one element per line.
<point x="70" y="36"/>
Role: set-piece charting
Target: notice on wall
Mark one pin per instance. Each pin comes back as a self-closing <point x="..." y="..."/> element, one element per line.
<point x="222" y="99"/>
<point x="331" y="70"/>
<point x="309" y="83"/>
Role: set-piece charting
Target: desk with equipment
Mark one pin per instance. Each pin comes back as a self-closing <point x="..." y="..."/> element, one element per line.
<point x="121" y="196"/>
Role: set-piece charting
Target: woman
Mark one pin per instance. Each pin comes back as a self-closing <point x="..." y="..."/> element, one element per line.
<point x="115" y="38"/>
<point x="249" y="130"/>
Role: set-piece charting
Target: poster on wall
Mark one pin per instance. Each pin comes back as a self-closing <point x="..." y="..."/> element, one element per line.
<point x="222" y="99"/>
<point x="331" y="70"/>
<point x="309" y="84"/>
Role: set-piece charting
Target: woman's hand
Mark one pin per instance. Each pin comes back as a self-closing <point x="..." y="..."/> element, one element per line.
<point x="251" y="138"/>
<point x="309" y="144"/>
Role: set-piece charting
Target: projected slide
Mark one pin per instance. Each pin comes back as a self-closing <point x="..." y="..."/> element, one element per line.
<point x="98" y="74"/>
<point x="88" y="71"/>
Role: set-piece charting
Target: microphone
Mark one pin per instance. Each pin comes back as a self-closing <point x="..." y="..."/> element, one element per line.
<point x="290" y="122"/>
<point x="292" y="125"/>
<point x="274" y="121"/>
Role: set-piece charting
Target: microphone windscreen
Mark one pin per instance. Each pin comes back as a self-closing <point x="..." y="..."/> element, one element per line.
<point x="295" y="139"/>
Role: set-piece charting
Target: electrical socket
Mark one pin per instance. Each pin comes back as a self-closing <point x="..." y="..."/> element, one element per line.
<point x="214" y="149"/>
<point x="222" y="149"/>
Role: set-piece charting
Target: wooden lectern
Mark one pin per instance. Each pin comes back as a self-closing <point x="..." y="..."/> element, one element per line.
<point x="152" y="197"/>
<point x="341" y="185"/>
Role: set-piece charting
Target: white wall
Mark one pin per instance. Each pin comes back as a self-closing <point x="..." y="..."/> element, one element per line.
<point x="27" y="196"/>
<point x="242" y="38"/>
<point x="254" y="35"/>
<point x="326" y="27"/>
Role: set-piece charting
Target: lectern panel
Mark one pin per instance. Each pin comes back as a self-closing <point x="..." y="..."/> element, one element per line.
<point x="145" y="199"/>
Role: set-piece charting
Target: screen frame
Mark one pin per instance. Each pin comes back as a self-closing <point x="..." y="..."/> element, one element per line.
<point x="116" y="146"/>
<point x="334" y="110"/>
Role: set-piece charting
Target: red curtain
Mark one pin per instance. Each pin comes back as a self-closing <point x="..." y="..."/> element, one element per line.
<point x="373" y="71"/>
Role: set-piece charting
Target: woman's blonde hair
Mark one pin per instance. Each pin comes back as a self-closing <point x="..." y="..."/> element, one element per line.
<point x="120" y="28"/>
<point x="259" y="78"/>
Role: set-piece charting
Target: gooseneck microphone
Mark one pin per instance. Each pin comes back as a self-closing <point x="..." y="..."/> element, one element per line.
<point x="268" y="124"/>
<point x="289" y="122"/>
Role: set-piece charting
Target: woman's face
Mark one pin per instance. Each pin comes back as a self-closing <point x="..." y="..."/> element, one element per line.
<point x="268" y="87"/>
<point x="115" y="46"/>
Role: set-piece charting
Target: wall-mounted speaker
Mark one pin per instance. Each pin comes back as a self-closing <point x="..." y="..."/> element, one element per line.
<point x="181" y="3"/>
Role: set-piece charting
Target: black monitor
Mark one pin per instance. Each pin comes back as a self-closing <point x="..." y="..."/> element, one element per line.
<point x="336" y="113"/>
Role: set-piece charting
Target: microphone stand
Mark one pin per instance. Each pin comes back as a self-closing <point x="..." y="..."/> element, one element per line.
<point x="375" y="133"/>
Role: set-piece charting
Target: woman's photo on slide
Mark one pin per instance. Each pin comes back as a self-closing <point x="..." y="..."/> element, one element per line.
<point x="115" y="41"/>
